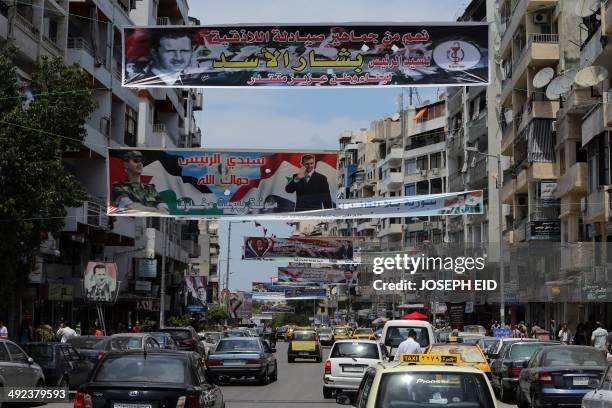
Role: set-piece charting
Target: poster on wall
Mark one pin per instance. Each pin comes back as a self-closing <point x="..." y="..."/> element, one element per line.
<point x="100" y="282"/>
<point x="198" y="182"/>
<point x="331" y="250"/>
<point x="340" y="55"/>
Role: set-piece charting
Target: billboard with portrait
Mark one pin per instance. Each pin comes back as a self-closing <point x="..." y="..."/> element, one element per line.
<point x="196" y="293"/>
<point x="199" y="182"/>
<point x="340" y="55"/>
<point x="333" y="250"/>
<point x="325" y="276"/>
<point x="100" y="282"/>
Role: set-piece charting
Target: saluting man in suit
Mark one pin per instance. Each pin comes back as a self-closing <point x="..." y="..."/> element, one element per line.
<point x="311" y="188"/>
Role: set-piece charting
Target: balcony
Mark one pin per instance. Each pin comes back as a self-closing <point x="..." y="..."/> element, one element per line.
<point x="477" y="127"/>
<point x="429" y="125"/>
<point x="80" y="51"/>
<point x="597" y="206"/>
<point x="415" y="175"/>
<point x="477" y="175"/>
<point x="343" y="225"/>
<point x="574" y="181"/>
<point x="52" y="48"/>
<point x="508" y="192"/>
<point x="365" y="225"/>
<point x="578" y="101"/>
<point x="163" y="21"/>
<point x="538" y="110"/>
<point x="198" y="101"/>
<point x="454" y="143"/>
<point x="392" y="181"/>
<point x="393" y="157"/>
<point x="577" y="256"/>
<point x="541" y="50"/>
<point x="163" y="137"/>
<point x="592" y="124"/>
<point x="389" y="229"/>
<point x="89" y="214"/>
<point x="596" y="51"/>
<point x="517" y="11"/>
<point x="607" y="108"/>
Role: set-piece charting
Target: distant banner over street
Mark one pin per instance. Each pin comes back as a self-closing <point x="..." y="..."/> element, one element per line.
<point x="211" y="184"/>
<point x="323" y="276"/>
<point x="334" y="250"/>
<point x="389" y="54"/>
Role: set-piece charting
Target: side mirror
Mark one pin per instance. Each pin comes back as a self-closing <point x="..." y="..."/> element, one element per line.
<point x="30" y="360"/>
<point x="343" y="399"/>
<point x="594" y="383"/>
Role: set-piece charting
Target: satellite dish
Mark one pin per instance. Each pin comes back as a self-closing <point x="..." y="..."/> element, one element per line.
<point x="560" y="85"/>
<point x="509" y="115"/>
<point x="591" y="76"/>
<point x="543" y="77"/>
<point x="586" y="8"/>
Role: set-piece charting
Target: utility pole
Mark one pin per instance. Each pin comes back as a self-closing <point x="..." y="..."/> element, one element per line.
<point x="227" y="265"/>
<point x="162" y="285"/>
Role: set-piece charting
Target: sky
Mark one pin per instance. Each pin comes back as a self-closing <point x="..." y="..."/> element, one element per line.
<point x="292" y="118"/>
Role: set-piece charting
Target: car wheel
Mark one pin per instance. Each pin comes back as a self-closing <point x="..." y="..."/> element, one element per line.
<point x="327" y="393"/>
<point x="274" y="377"/>
<point x="264" y="379"/>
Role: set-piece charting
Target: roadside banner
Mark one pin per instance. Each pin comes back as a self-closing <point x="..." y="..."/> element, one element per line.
<point x="206" y="183"/>
<point x="196" y="293"/>
<point x="323" y="276"/>
<point x="340" y="55"/>
<point x="334" y="250"/>
<point x="100" y="282"/>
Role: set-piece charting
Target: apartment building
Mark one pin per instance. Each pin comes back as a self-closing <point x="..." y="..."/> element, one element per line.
<point x="89" y="33"/>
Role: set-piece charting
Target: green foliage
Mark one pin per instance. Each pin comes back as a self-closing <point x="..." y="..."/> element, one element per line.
<point x="149" y="325"/>
<point x="180" y="321"/>
<point x="216" y="315"/>
<point x="36" y="188"/>
<point x="283" y="319"/>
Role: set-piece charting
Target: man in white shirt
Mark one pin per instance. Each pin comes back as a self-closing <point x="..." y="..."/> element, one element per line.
<point x="408" y="346"/>
<point x="65" y="332"/>
<point x="3" y="331"/>
<point x="598" y="337"/>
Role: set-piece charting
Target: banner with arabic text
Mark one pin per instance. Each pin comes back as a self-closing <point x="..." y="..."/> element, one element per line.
<point x="390" y="54"/>
<point x="279" y="286"/>
<point x="216" y="183"/>
<point x="323" y="276"/>
<point x="306" y="294"/>
<point x="333" y="250"/>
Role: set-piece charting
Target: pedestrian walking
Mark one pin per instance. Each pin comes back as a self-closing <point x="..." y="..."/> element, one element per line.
<point x="44" y="332"/>
<point x="3" y="331"/>
<point x="535" y="329"/>
<point x="552" y="329"/>
<point x="98" y="332"/>
<point x="598" y="337"/>
<point x="136" y="328"/>
<point x="408" y="346"/>
<point x="65" y="332"/>
<point x="565" y="336"/>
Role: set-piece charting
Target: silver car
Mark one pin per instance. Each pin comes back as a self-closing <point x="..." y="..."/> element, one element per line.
<point x="601" y="396"/>
<point x="17" y="369"/>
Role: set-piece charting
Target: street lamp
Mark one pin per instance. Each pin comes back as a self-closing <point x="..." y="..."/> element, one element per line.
<point x="499" y="185"/>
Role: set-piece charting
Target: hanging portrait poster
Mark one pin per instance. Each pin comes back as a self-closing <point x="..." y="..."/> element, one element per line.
<point x="100" y="282"/>
<point x="199" y="182"/>
<point x="196" y="293"/>
<point x="332" y="250"/>
<point x="372" y="55"/>
<point x="322" y="276"/>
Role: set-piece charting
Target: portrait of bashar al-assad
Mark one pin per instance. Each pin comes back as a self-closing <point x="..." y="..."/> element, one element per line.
<point x="100" y="289"/>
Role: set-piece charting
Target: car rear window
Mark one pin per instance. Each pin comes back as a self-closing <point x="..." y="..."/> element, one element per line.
<point x="238" y="345"/>
<point x="40" y="352"/>
<point x="363" y="331"/>
<point x="398" y="334"/>
<point x="143" y="368"/>
<point x="325" y="331"/>
<point x="126" y="343"/>
<point x="572" y="357"/>
<point x="87" y="343"/>
<point x="432" y="389"/>
<point x="525" y="350"/>
<point x="304" y="336"/>
<point x="468" y="354"/>
<point x="357" y="350"/>
<point x="340" y="330"/>
<point x="179" y="335"/>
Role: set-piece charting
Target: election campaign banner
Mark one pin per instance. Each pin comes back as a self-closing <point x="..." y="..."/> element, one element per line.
<point x="323" y="276"/>
<point x="240" y="304"/>
<point x="279" y="287"/>
<point x="306" y="293"/>
<point x="196" y="293"/>
<point x="270" y="307"/>
<point x="212" y="184"/>
<point x="334" y="250"/>
<point x="274" y="296"/>
<point x="100" y="282"/>
<point x="341" y="55"/>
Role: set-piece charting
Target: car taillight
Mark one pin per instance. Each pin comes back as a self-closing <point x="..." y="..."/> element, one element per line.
<point x="254" y="360"/>
<point x="82" y="400"/>
<point x="328" y="367"/>
<point x="188" y="341"/>
<point x="192" y="401"/>
<point x="210" y="363"/>
<point x="515" y="371"/>
<point x="101" y="354"/>
<point x="545" y="377"/>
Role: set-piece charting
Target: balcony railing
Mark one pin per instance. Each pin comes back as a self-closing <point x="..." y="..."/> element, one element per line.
<point x="543" y="38"/>
<point x="163" y="21"/>
<point x="26" y="23"/>
<point x="52" y="44"/>
<point x="80" y="43"/>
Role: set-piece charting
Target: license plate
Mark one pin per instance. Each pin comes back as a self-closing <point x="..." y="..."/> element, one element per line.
<point x="350" y="369"/>
<point x="121" y="405"/>
<point x="234" y="363"/>
<point x="581" y="381"/>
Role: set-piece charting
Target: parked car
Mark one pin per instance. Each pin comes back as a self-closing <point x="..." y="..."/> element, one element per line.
<point x="186" y="338"/>
<point x="61" y="363"/>
<point x="133" y="341"/>
<point x="601" y="396"/>
<point x="326" y="336"/>
<point x="506" y="369"/>
<point x="17" y="369"/>
<point x="235" y="333"/>
<point x="92" y="348"/>
<point x="165" y="340"/>
<point x="559" y="376"/>
<point x="304" y="344"/>
<point x="348" y="362"/>
<point x="159" y="378"/>
<point x="242" y="357"/>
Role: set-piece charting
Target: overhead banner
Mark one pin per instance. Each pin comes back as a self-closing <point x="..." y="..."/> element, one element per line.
<point x="389" y="54"/>
<point x="323" y="276"/>
<point x="334" y="250"/>
<point x="305" y="294"/>
<point x="272" y="296"/>
<point x="196" y="293"/>
<point x="268" y="307"/>
<point x="216" y="183"/>
<point x="279" y="287"/>
<point x="100" y="282"/>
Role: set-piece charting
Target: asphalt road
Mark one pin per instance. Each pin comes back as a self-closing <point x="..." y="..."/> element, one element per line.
<point x="299" y="385"/>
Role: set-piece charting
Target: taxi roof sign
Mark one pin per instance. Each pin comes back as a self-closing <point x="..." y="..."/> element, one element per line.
<point x="430" y="358"/>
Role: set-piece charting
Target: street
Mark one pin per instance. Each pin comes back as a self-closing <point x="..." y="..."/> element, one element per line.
<point x="299" y="384"/>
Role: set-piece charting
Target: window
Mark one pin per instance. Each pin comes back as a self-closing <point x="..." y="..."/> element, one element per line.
<point x="4" y="356"/>
<point x="436" y="186"/>
<point x="436" y="161"/>
<point x="581" y="154"/>
<point x="422" y="163"/>
<point x="17" y="354"/>
<point x="131" y="126"/>
<point x="410" y="190"/>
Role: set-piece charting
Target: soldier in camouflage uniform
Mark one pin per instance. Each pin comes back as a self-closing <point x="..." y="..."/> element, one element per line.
<point x="132" y="194"/>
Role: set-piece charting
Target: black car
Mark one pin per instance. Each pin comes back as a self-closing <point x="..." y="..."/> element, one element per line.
<point x="506" y="369"/>
<point x="243" y="357"/>
<point x="160" y="378"/>
<point x="280" y="333"/>
<point x="559" y="376"/>
<point x="186" y="338"/>
<point x="92" y="348"/>
<point x="165" y="340"/>
<point x="61" y="363"/>
<point x="133" y="341"/>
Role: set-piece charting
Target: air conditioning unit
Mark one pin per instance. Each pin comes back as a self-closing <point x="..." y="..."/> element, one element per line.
<point x="583" y="204"/>
<point x="541" y="18"/>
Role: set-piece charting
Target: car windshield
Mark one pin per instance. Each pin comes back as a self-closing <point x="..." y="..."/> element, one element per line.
<point x="468" y="354"/>
<point x="363" y="331"/>
<point x="432" y="389"/>
<point x="325" y="331"/>
<point x="87" y="343"/>
<point x="235" y="334"/>
<point x="238" y="345"/>
<point x="487" y="343"/>
<point x="395" y="335"/>
<point x="40" y="352"/>
<point x="573" y="357"/>
<point x="143" y="368"/>
<point x="357" y="350"/>
<point x="525" y="350"/>
<point x="304" y="336"/>
<point x="126" y="343"/>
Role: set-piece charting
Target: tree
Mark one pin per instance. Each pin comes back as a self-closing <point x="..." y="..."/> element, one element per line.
<point x="34" y="133"/>
<point x="216" y="315"/>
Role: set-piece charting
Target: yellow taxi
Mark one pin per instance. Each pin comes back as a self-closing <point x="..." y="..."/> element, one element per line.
<point x="342" y="333"/>
<point x="289" y="332"/>
<point x="422" y="380"/>
<point x="304" y="344"/>
<point x="470" y="355"/>
<point x="364" y="333"/>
